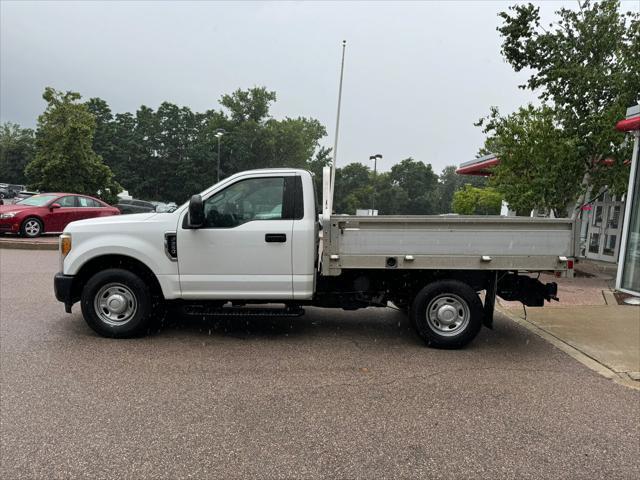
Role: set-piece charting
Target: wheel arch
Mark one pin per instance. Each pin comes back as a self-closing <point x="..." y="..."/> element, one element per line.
<point x="103" y="262"/>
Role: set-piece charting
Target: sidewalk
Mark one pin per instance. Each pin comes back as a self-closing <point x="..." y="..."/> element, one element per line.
<point x="46" y="242"/>
<point x="606" y="334"/>
<point x="587" y="323"/>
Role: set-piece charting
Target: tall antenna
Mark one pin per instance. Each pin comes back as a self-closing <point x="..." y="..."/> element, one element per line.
<point x="335" y="144"/>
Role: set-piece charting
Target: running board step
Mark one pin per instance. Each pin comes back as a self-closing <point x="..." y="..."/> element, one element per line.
<point x="243" y="311"/>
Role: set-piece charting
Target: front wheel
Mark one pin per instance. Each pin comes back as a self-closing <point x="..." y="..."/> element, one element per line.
<point x="447" y="314"/>
<point x="31" y="228"/>
<point x="117" y="303"/>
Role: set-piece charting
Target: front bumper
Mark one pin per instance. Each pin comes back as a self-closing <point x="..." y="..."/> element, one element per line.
<point x="9" y="225"/>
<point x="63" y="288"/>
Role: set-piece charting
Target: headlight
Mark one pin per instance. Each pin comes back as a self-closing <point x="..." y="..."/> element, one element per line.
<point x="8" y="215"/>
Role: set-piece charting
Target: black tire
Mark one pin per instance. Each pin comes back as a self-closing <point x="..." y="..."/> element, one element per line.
<point x="123" y="287"/>
<point x="455" y="316"/>
<point x="31" y="227"/>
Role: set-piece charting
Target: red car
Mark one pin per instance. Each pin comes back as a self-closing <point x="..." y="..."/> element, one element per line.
<point x="50" y="213"/>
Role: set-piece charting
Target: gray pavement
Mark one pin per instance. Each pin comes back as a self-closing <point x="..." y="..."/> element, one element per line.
<point x="333" y="394"/>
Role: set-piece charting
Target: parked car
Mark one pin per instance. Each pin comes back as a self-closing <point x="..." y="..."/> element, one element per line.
<point x="22" y="194"/>
<point x="135" y="206"/>
<point x="50" y="213"/>
<point x="8" y="190"/>
<point x="162" y="207"/>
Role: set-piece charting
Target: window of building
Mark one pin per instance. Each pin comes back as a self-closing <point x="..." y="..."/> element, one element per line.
<point x="594" y="243"/>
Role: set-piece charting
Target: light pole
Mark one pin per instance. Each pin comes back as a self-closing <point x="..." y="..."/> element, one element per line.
<point x="219" y="133"/>
<point x="375" y="175"/>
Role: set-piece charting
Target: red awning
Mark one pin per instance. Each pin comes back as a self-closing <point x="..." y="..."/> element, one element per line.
<point x="629" y="124"/>
<point x="480" y="168"/>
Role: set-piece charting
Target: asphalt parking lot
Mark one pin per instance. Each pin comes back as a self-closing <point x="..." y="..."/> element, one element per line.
<point x="332" y="394"/>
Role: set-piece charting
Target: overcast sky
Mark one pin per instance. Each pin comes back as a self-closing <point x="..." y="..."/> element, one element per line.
<point x="417" y="75"/>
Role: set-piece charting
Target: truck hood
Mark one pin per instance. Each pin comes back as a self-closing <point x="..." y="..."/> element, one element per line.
<point x="122" y="222"/>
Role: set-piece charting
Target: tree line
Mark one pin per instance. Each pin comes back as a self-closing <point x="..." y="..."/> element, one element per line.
<point x="170" y="153"/>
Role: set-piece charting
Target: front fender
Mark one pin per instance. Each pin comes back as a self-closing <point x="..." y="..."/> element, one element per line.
<point x="148" y="249"/>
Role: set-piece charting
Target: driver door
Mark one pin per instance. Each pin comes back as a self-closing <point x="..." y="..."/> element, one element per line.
<point x="243" y="251"/>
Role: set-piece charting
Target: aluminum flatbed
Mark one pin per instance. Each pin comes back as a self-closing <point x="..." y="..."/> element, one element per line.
<point x="448" y="242"/>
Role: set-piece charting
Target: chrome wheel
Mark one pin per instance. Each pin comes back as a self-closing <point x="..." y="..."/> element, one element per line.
<point x="115" y="304"/>
<point x="32" y="227"/>
<point x="448" y="314"/>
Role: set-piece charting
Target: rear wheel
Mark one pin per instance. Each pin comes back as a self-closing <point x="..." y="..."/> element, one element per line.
<point x="117" y="303"/>
<point x="31" y="228"/>
<point x="447" y="314"/>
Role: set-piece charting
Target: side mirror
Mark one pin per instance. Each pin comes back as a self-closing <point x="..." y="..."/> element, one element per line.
<point x="196" y="212"/>
<point x="54" y="206"/>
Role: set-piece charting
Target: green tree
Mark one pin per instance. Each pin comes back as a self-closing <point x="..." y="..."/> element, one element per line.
<point x="171" y="153"/>
<point x="587" y="65"/>
<point x="103" y="138"/>
<point x="291" y="142"/>
<point x="64" y="159"/>
<point x="254" y="139"/>
<point x="409" y="188"/>
<point x="540" y="165"/>
<point x="450" y="182"/>
<point x="477" y="201"/>
<point x="17" y="147"/>
<point x="354" y="188"/>
<point x="420" y="185"/>
<point x="250" y="105"/>
<point x="391" y="198"/>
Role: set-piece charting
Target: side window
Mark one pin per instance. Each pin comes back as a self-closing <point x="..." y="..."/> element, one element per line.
<point x="298" y="198"/>
<point x="244" y="201"/>
<point x="66" y="202"/>
<point x="88" y="202"/>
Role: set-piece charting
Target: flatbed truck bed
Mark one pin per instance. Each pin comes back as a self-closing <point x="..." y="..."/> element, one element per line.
<point x="448" y="242"/>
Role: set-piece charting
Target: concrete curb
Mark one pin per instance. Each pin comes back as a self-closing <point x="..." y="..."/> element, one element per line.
<point x="21" y="244"/>
<point x="573" y="352"/>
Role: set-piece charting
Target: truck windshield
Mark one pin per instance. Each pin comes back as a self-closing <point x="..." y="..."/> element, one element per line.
<point x="37" y="200"/>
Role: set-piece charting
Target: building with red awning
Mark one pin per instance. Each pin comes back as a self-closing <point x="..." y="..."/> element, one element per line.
<point x="628" y="277"/>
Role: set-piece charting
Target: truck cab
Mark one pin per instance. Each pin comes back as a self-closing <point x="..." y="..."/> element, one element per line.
<point x="256" y="239"/>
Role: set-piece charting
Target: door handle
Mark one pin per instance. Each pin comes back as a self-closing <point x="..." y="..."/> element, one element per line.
<point x="275" y="238"/>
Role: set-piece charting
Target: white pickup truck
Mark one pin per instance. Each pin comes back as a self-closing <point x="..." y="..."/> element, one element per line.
<point x="258" y="238"/>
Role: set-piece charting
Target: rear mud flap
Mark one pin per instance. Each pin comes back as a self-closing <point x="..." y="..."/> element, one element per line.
<point x="490" y="300"/>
